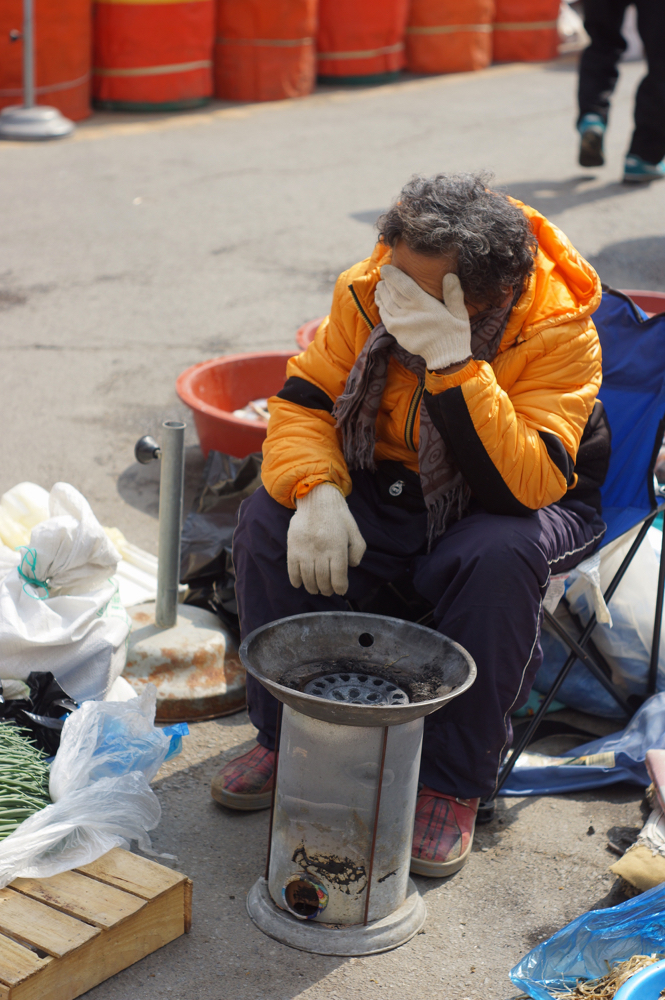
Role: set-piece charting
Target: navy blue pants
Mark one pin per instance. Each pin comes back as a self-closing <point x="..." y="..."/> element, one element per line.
<point x="485" y="578"/>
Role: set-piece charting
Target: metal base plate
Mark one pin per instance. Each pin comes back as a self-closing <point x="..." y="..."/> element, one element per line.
<point x="33" y="124"/>
<point x="328" y="939"/>
<point x="194" y="665"/>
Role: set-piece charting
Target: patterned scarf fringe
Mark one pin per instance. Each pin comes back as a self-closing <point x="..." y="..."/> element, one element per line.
<point x="439" y="512"/>
<point x="359" y="444"/>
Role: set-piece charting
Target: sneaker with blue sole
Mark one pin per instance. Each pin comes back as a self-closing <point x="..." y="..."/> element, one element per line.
<point x="638" y="171"/>
<point x="592" y="130"/>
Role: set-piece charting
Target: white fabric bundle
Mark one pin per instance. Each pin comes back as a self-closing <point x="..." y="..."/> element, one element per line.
<point x="59" y="608"/>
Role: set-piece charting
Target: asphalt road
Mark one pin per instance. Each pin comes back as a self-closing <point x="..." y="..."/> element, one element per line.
<point x="144" y="245"/>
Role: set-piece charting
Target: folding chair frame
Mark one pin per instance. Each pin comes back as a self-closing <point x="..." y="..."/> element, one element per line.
<point x="579" y="651"/>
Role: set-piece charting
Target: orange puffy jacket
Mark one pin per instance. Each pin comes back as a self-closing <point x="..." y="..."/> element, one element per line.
<point x="514" y="425"/>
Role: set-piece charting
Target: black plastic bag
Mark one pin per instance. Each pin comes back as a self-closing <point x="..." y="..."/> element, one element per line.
<point x="207" y="537"/>
<point x="42" y="713"/>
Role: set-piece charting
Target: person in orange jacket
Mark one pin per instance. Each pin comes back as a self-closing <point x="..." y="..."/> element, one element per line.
<point x="440" y="435"/>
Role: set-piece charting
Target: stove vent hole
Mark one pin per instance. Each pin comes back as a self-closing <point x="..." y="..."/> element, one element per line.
<point x="305" y="897"/>
<point x="366" y="639"/>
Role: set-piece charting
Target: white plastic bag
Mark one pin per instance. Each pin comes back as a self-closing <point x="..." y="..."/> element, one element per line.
<point x="27" y="504"/>
<point x="572" y="33"/>
<point x="624" y="640"/>
<point x="109" y="751"/>
<point x="59" y="609"/>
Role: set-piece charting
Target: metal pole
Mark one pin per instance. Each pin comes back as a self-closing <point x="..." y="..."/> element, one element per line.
<point x="171" y="484"/>
<point x="28" y="56"/>
<point x="657" y="625"/>
<point x="30" y="121"/>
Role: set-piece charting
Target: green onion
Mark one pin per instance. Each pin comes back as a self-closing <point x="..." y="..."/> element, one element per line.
<point x="24" y="777"/>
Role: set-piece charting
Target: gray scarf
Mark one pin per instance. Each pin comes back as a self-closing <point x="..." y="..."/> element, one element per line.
<point x="445" y="490"/>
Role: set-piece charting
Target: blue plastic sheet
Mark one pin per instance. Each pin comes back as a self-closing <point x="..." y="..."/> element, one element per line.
<point x="176" y="733"/>
<point x="628" y="749"/>
<point x="581" y="950"/>
<point x="121" y="749"/>
<point x="580" y="690"/>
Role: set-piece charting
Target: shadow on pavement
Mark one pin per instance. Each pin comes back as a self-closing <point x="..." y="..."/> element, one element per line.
<point x="138" y="485"/>
<point x="370" y="217"/>
<point x="638" y="263"/>
<point x="554" y="197"/>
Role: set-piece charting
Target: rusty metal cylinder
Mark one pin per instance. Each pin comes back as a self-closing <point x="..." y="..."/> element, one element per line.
<point x="325" y="841"/>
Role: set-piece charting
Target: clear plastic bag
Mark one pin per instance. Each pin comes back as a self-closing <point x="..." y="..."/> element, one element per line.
<point x="105" y="739"/>
<point x="81" y="827"/>
<point x="582" y="949"/>
<point x="109" y="752"/>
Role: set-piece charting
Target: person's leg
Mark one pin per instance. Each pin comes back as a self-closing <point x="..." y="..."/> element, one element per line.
<point x="487" y="578"/>
<point x="648" y="142"/>
<point x="598" y="73"/>
<point x="264" y="592"/>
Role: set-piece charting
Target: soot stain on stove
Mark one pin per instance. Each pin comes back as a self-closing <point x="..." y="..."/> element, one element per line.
<point x="343" y="873"/>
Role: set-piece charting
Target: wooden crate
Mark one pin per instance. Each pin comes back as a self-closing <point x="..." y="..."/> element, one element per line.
<point x="61" y="936"/>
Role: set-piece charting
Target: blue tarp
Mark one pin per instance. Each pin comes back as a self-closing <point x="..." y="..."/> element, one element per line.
<point x="645" y="731"/>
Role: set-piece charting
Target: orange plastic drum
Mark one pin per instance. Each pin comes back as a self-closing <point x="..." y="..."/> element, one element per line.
<point x="265" y="49"/>
<point x="525" y="30"/>
<point x="62" y="55"/>
<point x="154" y="55"/>
<point x="214" y="389"/>
<point x="360" y="42"/>
<point x="449" y="36"/>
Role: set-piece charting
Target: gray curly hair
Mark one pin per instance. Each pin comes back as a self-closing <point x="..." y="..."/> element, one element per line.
<point x="457" y="216"/>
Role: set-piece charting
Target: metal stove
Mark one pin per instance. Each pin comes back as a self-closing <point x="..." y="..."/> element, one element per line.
<point x="353" y="690"/>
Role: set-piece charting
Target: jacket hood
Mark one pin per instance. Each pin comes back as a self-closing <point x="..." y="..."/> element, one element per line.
<point x="563" y="287"/>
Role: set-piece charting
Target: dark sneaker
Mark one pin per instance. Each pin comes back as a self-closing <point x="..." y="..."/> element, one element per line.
<point x="638" y="171"/>
<point x="246" y="782"/>
<point x="442" y="834"/>
<point x="592" y="130"/>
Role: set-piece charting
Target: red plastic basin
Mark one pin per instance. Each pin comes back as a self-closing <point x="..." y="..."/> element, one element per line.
<point x="307" y="332"/>
<point x="651" y="302"/>
<point x="214" y="389"/>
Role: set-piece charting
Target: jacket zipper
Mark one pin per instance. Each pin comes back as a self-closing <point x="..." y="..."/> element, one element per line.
<point x="360" y="308"/>
<point x="411" y="415"/>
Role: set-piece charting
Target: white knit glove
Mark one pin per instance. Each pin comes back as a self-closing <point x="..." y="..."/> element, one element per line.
<point x="322" y="542"/>
<point x="441" y="334"/>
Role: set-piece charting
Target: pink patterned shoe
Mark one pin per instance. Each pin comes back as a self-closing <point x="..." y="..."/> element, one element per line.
<point x="442" y="833"/>
<point x="246" y="782"/>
